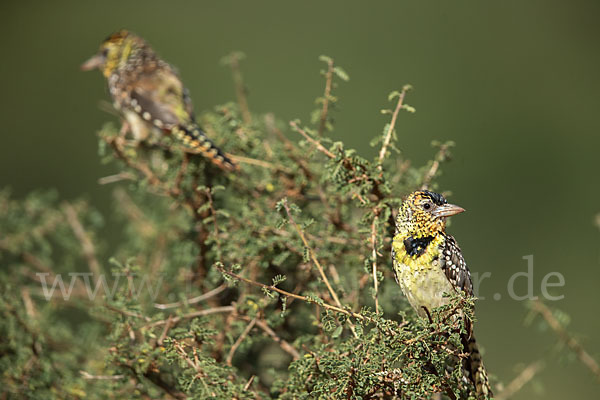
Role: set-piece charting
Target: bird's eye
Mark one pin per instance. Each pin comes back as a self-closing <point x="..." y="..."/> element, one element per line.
<point x="427" y="206"/>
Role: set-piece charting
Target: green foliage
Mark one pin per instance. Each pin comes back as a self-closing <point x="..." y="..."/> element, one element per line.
<point x="254" y="284"/>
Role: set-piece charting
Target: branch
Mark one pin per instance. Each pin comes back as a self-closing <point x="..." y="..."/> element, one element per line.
<point x="573" y="344"/>
<point x="318" y="144"/>
<point x="287" y="144"/>
<point x="312" y="255"/>
<point x="240" y="89"/>
<point x="115" y="143"/>
<point x="87" y="246"/>
<point x="440" y="156"/>
<point x="517" y="384"/>
<point x="193" y="300"/>
<point x="388" y="134"/>
<point x="239" y="341"/>
<point x="224" y="309"/>
<point x="288" y="294"/>
<point x="285" y="346"/>
<point x="326" y="96"/>
<point x="86" y="375"/>
<point x="374" y="255"/>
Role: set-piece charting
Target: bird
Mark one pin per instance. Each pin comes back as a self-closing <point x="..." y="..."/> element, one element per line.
<point x="150" y="95"/>
<point x="428" y="264"/>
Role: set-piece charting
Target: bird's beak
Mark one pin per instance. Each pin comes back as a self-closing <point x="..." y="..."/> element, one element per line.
<point x="447" y="210"/>
<point x="93" y="63"/>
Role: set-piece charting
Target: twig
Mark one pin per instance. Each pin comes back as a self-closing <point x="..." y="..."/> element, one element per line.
<point x="374" y="255"/>
<point x="211" y="205"/>
<point x="240" y="89"/>
<point x="145" y="228"/>
<point x="312" y="254"/>
<point x="175" y="320"/>
<point x="288" y="294"/>
<point x="128" y="313"/>
<point x="163" y="335"/>
<point x="193" y="300"/>
<point x="115" y="143"/>
<point x="573" y="344"/>
<point x="239" y="341"/>
<point x="181" y="173"/>
<point x="86" y="375"/>
<point x="440" y="156"/>
<point x="289" y="146"/>
<point x="253" y="161"/>
<point x="87" y="246"/>
<point x="318" y="144"/>
<point x="29" y="306"/>
<point x="326" y="96"/>
<point x="247" y="385"/>
<point x="520" y="380"/>
<point x="388" y="134"/>
<point x="121" y="176"/>
<point x="285" y="346"/>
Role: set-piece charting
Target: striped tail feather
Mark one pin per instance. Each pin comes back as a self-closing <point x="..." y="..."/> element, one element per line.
<point x="476" y="370"/>
<point x="194" y="138"/>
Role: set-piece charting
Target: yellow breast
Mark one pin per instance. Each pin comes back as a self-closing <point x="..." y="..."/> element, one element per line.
<point x="421" y="278"/>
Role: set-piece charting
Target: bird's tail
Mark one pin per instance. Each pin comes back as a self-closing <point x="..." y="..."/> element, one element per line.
<point x="193" y="137"/>
<point x="476" y="370"/>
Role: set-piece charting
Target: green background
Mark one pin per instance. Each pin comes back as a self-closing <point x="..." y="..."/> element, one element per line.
<point x="514" y="83"/>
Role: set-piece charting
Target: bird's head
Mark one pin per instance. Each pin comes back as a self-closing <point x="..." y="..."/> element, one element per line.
<point x="424" y="213"/>
<point x="113" y="53"/>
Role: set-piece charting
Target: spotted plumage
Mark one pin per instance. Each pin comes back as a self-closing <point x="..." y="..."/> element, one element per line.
<point x="150" y="95"/>
<point x="428" y="264"/>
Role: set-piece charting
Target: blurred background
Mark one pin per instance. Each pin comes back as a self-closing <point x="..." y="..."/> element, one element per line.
<point x="515" y="84"/>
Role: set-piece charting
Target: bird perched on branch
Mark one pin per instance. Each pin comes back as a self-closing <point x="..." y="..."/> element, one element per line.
<point x="428" y="264"/>
<point x="150" y="95"/>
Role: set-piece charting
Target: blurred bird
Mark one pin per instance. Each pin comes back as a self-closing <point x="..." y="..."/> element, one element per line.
<point x="150" y="95"/>
<point x="428" y="263"/>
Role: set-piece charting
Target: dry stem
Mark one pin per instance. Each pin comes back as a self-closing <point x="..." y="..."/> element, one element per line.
<point x="517" y="384"/>
<point x="239" y="341"/>
<point x="388" y="134"/>
<point x="326" y="96"/>
<point x="240" y="89"/>
<point x="193" y="300"/>
<point x="573" y="344"/>
<point x="87" y="246"/>
<point x="291" y="295"/>
<point x="318" y="144"/>
<point x="374" y="255"/>
<point x="440" y="156"/>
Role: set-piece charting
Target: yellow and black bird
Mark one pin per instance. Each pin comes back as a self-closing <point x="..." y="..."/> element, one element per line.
<point x="429" y="264"/>
<point x="150" y="94"/>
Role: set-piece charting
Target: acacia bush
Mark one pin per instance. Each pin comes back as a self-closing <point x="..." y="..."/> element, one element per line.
<point x="271" y="282"/>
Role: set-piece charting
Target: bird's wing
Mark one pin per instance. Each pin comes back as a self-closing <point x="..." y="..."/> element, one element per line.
<point x="162" y="97"/>
<point x="454" y="266"/>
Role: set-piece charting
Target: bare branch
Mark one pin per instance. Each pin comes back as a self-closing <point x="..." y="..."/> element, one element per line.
<point x="175" y="320"/>
<point x="521" y="380"/>
<point x="193" y="300"/>
<point x="318" y="144"/>
<point x="388" y="134"/>
<point x="288" y="348"/>
<point x="240" y="89"/>
<point x="288" y="294"/>
<point x="86" y="375"/>
<point x="440" y="156"/>
<point x="374" y="255"/>
<point x="239" y="341"/>
<point x="87" y="246"/>
<point x="315" y="261"/>
<point x="326" y="96"/>
<point x="562" y="333"/>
